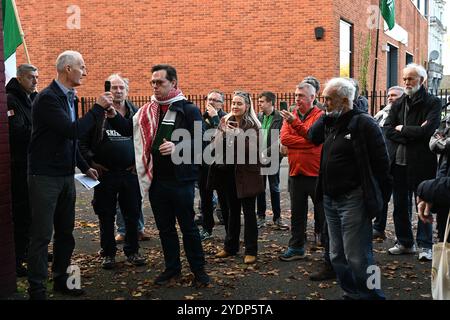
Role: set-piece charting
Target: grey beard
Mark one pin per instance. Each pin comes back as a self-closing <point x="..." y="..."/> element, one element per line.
<point x="411" y="92"/>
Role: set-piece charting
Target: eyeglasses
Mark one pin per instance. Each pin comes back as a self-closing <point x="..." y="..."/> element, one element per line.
<point x="214" y="100"/>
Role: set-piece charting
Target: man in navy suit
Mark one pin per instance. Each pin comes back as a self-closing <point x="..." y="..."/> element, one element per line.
<point x="52" y="156"/>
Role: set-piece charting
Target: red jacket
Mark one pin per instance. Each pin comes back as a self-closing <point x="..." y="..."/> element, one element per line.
<point x="303" y="155"/>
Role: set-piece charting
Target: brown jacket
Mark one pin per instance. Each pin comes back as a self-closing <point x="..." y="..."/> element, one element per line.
<point x="249" y="181"/>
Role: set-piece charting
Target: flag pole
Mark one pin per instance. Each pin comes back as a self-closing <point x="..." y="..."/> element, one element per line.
<point x="16" y="13"/>
<point x="372" y="105"/>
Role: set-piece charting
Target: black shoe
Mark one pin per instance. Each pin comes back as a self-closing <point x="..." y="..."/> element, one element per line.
<point x="109" y="262"/>
<point x="325" y="272"/>
<point x="378" y="235"/>
<point x="37" y="295"/>
<point x="62" y="289"/>
<point x="136" y="260"/>
<point x="21" y="270"/>
<point x="201" y="279"/>
<point x="166" y="276"/>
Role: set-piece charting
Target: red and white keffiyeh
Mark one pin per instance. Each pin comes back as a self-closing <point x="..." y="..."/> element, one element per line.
<point x="145" y="127"/>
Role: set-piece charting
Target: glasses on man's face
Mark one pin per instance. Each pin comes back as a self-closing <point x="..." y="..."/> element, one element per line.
<point x="157" y="83"/>
<point x="214" y="100"/>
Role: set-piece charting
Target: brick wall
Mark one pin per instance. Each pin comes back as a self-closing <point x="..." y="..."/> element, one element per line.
<point x="7" y="260"/>
<point x="253" y="44"/>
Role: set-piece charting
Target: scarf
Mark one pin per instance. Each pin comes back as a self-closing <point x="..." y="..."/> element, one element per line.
<point x="146" y="133"/>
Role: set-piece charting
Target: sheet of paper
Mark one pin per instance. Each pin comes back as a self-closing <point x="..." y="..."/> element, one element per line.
<point x="86" y="181"/>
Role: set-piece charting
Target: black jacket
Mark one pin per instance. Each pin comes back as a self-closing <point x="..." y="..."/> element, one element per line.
<point x="415" y="135"/>
<point x="90" y="141"/>
<point x="53" y="148"/>
<point x="187" y="115"/>
<point x="213" y="122"/>
<point x="19" y="120"/>
<point x="435" y="191"/>
<point x="372" y="161"/>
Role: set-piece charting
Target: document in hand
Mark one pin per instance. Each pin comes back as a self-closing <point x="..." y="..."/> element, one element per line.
<point x="86" y="181"/>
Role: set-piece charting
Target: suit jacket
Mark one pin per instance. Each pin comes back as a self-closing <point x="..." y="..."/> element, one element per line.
<point x="53" y="149"/>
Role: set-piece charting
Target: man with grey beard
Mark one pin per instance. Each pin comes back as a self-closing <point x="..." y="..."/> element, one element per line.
<point x="412" y="121"/>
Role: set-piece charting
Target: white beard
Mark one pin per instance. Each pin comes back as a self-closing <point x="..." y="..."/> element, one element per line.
<point x="412" y="91"/>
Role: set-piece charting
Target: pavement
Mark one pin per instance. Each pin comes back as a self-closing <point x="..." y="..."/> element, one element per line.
<point x="402" y="277"/>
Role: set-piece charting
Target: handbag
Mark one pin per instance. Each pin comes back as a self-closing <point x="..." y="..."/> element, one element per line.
<point x="440" y="269"/>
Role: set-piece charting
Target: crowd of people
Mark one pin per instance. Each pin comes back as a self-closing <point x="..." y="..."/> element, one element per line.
<point x="347" y="162"/>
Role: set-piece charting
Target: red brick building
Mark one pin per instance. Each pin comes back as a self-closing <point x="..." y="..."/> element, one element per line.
<point x="253" y="45"/>
<point x="7" y="261"/>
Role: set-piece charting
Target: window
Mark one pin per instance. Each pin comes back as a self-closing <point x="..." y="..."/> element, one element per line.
<point x="409" y="58"/>
<point x="345" y="52"/>
<point x="392" y="66"/>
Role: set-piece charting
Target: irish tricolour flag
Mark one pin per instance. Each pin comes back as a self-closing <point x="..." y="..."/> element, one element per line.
<point x="11" y="37"/>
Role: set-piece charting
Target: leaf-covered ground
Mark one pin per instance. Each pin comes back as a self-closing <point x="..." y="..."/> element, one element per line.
<point x="403" y="277"/>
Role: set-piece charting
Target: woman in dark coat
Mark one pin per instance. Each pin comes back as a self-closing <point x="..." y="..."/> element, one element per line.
<point x="238" y="174"/>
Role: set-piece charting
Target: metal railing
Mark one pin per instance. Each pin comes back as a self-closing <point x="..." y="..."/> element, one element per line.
<point x="200" y="100"/>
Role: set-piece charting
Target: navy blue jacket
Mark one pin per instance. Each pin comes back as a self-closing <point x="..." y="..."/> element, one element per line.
<point x="53" y="149"/>
<point x="187" y="115"/>
<point x="435" y="191"/>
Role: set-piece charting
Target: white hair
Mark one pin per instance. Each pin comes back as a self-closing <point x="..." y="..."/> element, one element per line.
<point x="344" y="88"/>
<point x="420" y="70"/>
<point x="67" y="58"/>
<point x="118" y="76"/>
<point x="308" y="87"/>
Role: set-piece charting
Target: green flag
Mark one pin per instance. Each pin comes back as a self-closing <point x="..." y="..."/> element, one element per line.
<point x="11" y="33"/>
<point x="387" y="8"/>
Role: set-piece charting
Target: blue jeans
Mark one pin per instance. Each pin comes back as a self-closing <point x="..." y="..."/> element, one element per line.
<point x="350" y="231"/>
<point x="274" y="187"/>
<point x="402" y="214"/>
<point x="173" y="201"/>
<point x="120" y="223"/>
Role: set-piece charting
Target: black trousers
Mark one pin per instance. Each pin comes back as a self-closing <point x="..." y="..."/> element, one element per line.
<point x="206" y="197"/>
<point x="122" y="186"/>
<point x="300" y="188"/>
<point x="21" y="212"/>
<point x="233" y="220"/>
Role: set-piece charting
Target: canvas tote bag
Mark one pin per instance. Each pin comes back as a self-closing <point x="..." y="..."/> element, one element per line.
<point x="440" y="270"/>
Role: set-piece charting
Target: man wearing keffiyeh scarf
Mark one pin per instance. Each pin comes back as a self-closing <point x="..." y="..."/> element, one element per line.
<point x="170" y="186"/>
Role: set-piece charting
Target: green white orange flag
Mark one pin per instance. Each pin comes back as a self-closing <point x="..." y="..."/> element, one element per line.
<point x="11" y="37"/>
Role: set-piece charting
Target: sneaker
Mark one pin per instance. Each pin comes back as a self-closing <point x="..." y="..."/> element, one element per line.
<point x="136" y="259"/>
<point x="425" y="254"/>
<point x="261" y="222"/>
<point x="142" y="236"/>
<point x="326" y="272"/>
<point x="109" y="262"/>
<point x="205" y="235"/>
<point x="120" y="238"/>
<point x="166" y="276"/>
<point x="280" y="225"/>
<point x="401" y="249"/>
<point x="378" y="235"/>
<point x="201" y="279"/>
<point x="292" y="254"/>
